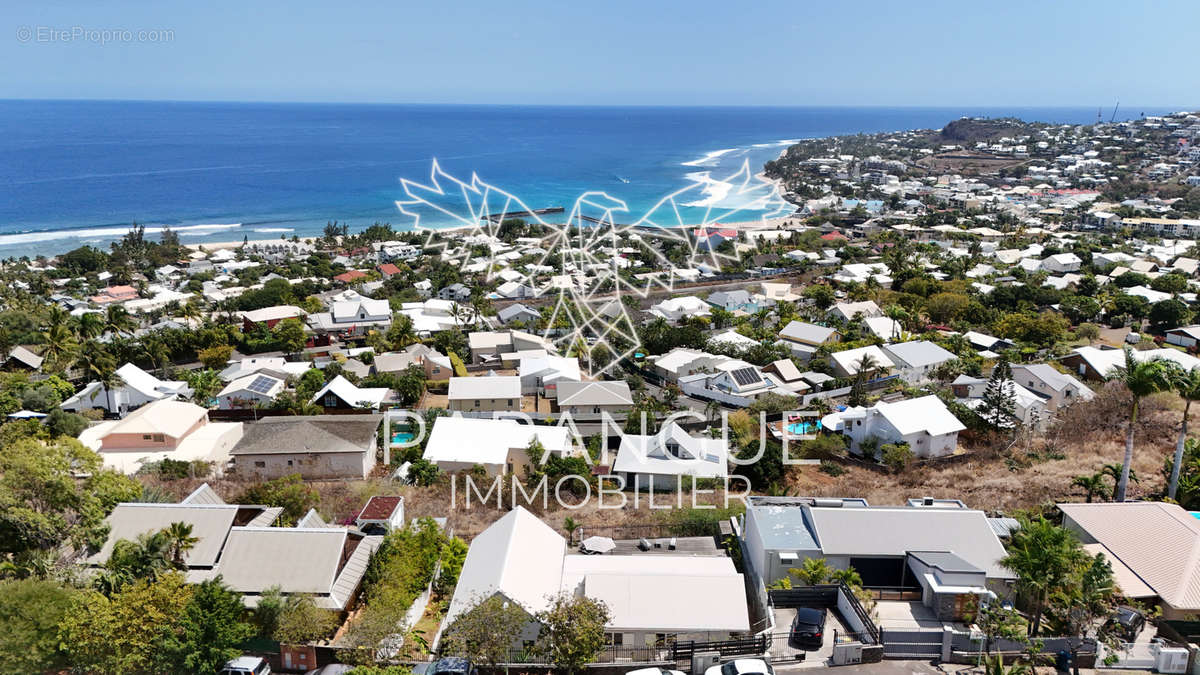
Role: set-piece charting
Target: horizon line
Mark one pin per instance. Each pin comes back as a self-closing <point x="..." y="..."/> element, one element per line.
<point x="940" y="106"/>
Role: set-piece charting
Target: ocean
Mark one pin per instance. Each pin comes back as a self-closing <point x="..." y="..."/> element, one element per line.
<point x="76" y="172"/>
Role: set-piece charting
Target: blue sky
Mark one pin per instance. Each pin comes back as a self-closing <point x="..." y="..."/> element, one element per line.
<point x="756" y="52"/>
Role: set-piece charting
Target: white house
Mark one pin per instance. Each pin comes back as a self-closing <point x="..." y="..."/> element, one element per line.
<point x="251" y="391"/>
<point x="482" y="394"/>
<point x="848" y="310"/>
<point x="542" y="374"/>
<point x="657" y="462"/>
<point x="916" y="361"/>
<point x="353" y="317"/>
<point x="134" y="387"/>
<point x="847" y="363"/>
<point x="584" y="398"/>
<point x="498" y="445"/>
<point x="1061" y="262"/>
<point x="929" y="428"/>
<point x="677" y="309"/>
<point x="344" y="394"/>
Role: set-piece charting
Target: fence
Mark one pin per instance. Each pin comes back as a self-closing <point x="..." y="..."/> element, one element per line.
<point x="838" y="597"/>
<point x="683" y="650"/>
<point x="912" y="643"/>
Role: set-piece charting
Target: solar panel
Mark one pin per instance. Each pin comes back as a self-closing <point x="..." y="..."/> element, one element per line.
<point x="745" y="376"/>
<point x="261" y="384"/>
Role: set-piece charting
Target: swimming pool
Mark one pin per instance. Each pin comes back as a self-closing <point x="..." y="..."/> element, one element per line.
<point x="800" y="428"/>
<point x="403" y="437"/>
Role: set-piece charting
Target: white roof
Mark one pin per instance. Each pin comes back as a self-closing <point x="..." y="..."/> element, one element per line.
<point x="269" y="387"/>
<point x="849" y="359"/>
<point x="914" y="415"/>
<point x="702" y="457"/>
<point x="494" y="386"/>
<point x="168" y="417"/>
<point x="918" y="354"/>
<point x="273" y="313"/>
<point x="488" y="441"/>
<point x="518" y="556"/>
<point x="351" y="394"/>
<point x="1104" y="361"/>
<point x="676" y="602"/>
<point x="147" y="384"/>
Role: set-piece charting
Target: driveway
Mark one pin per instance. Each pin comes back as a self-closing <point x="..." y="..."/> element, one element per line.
<point x="782" y="649"/>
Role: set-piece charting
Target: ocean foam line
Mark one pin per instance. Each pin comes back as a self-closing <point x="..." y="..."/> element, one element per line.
<point x="274" y="229"/>
<point x="708" y="158"/>
<point x="109" y="232"/>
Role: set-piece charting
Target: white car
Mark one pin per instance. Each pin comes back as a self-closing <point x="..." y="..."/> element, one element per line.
<point x="742" y="667"/>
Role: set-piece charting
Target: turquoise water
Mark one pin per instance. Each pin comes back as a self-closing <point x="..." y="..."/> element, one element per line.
<point x="75" y="172"/>
<point x="403" y="437"/>
<point x="799" y="428"/>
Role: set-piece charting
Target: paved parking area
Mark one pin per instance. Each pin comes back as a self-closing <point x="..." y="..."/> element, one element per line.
<point x="783" y="650"/>
<point x="895" y="614"/>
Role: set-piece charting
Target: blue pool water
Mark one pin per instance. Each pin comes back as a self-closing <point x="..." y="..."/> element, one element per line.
<point x="403" y="437"/>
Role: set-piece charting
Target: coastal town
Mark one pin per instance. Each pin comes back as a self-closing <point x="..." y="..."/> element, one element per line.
<point x="936" y="412"/>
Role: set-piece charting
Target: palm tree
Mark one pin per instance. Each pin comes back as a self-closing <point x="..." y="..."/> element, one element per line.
<point x="118" y="320"/>
<point x="899" y="316"/>
<point x="1043" y="556"/>
<point x="59" y="341"/>
<point x="1186" y="383"/>
<point x="1093" y="486"/>
<point x="1141" y="378"/>
<point x="712" y="410"/>
<point x="402" y="333"/>
<point x="94" y="361"/>
<point x="89" y="326"/>
<point x="191" y="313"/>
<point x="179" y="541"/>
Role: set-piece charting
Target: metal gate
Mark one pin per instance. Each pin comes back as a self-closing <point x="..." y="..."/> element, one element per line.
<point x="911" y="644"/>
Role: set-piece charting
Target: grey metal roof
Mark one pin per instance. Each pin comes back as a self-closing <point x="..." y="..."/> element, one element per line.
<point x="309" y="433"/>
<point x="918" y="353"/>
<point x="809" y="333"/>
<point x="210" y="524"/>
<point x="298" y="560"/>
<point x="594" y="393"/>
<point x="783" y="526"/>
<point x="944" y="561"/>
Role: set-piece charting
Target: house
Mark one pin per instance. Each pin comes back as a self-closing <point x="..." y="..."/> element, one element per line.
<point x="946" y="552"/>
<point x="483" y="394"/>
<point x="924" y="423"/>
<point x="734" y="377"/>
<point x="733" y="301"/>
<point x="788" y="375"/>
<point x="339" y="393"/>
<point x="239" y="544"/>
<point x="1030" y="408"/>
<point x="164" y="429"/>
<point x="352" y="317"/>
<point x="115" y="294"/>
<point x="132" y="388"/>
<point x="1093" y="363"/>
<point x="731" y="339"/>
<point x="847" y="363"/>
<point x="846" y="311"/>
<point x="804" y="339"/>
<point x="1061" y="262"/>
<point x="252" y="391"/>
<point x="498" y="445"/>
<point x="21" y="359"/>
<point x="885" y="328"/>
<point x="541" y="374"/>
<point x="315" y="446"/>
<point x="1184" y="336"/>
<point x="454" y="293"/>
<point x="983" y="342"/>
<point x="275" y="366"/>
<point x="517" y="312"/>
<point x="350" y="277"/>
<point x="660" y="461"/>
<point x="593" y="398"/>
<point x="269" y="316"/>
<point x="488" y="346"/>
<point x="387" y="270"/>
<point x="916" y="361"/>
<point x="709" y="238"/>
<point x="434" y="315"/>
<point x="433" y="363"/>
<point x="675" y="310"/>
<point x="680" y="362"/>
<point x="381" y="515"/>
<point x="1153" y="547"/>
<point x="1056" y="389"/>
<point x="653" y="597"/>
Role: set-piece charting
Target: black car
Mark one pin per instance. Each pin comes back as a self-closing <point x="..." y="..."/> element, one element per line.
<point x="808" y="628"/>
<point x="1126" y="622"/>
<point x="451" y="665"/>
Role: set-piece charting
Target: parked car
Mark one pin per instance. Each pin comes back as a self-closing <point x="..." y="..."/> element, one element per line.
<point x="654" y="671"/>
<point x="1126" y="622"/>
<point x="742" y="667"/>
<point x="808" y="628"/>
<point x="246" y="665"/>
<point x="451" y="665"/>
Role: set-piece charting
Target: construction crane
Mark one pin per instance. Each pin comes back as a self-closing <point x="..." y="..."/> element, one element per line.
<point x="1115" y="108"/>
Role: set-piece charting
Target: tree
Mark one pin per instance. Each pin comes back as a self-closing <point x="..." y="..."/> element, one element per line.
<point x="1079" y="308"/>
<point x="289" y="333"/>
<point x="1141" y="378"/>
<point x="301" y="621"/>
<point x="210" y="629"/>
<point x="1186" y="384"/>
<point x="820" y="295"/>
<point x="812" y="571"/>
<point x="179" y="541"/>
<point x="1083" y="605"/>
<point x="205" y="385"/>
<point x="1043" y="556"/>
<point x="486" y="632"/>
<point x="216" y="356"/>
<point x="998" y="406"/>
<point x="288" y="492"/>
<point x="945" y="307"/>
<point x="1088" y="331"/>
<point x="30" y="611"/>
<point x="1170" y="312"/>
<point x="125" y="633"/>
<point x="572" y="631"/>
<point x="1093" y="486"/>
<point x="401" y="333"/>
<point x="995" y="621"/>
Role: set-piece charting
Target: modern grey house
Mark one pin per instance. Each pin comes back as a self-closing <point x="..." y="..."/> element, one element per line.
<point x="939" y="548"/>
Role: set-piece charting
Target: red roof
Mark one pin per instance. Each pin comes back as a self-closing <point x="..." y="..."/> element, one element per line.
<point x="350" y="276"/>
<point x="380" y="508"/>
<point x="833" y="236"/>
<point x="724" y="232"/>
<point x="388" y="269"/>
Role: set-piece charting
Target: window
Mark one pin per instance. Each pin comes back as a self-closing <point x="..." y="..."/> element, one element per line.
<point x="159" y="438"/>
<point x="614" y="639"/>
<point x="331" y="400"/>
<point x="260" y="465"/>
<point x="476" y="404"/>
<point x="146" y="437"/>
<point x="289" y="462"/>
